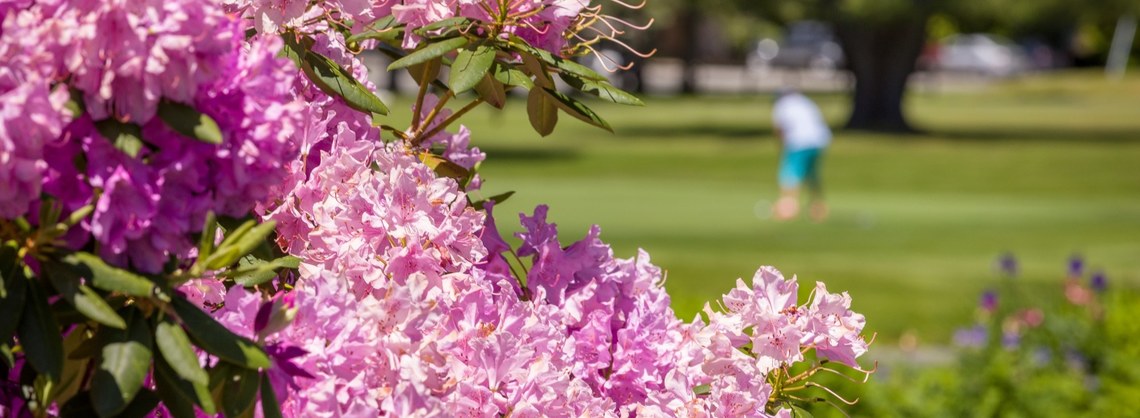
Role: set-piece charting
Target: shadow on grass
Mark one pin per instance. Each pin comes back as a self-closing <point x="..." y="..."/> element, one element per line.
<point x="1108" y="136"/>
<point x="1007" y="135"/>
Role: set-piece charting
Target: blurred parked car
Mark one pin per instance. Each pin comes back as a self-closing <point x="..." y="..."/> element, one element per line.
<point x="809" y="44"/>
<point x="981" y="54"/>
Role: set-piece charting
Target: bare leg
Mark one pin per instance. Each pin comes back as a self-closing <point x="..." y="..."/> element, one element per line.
<point x="817" y="208"/>
<point x="788" y="206"/>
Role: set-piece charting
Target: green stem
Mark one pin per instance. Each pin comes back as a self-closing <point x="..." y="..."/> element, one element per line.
<point x="448" y="121"/>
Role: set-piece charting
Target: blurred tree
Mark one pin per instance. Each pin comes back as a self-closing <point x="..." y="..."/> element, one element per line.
<point x="882" y="39"/>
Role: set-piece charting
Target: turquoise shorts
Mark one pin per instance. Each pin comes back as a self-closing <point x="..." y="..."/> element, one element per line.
<point x="799" y="166"/>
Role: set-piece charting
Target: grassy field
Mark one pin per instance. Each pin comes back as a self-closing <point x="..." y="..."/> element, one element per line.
<point x="1041" y="167"/>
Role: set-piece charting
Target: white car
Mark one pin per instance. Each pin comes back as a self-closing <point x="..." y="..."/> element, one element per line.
<point x="981" y="54"/>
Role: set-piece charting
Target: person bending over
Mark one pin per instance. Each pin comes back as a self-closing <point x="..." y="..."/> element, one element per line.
<point x="803" y="137"/>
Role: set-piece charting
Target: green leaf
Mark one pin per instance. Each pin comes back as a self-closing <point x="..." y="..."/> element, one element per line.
<point x="538" y="70"/>
<point x="499" y="198"/>
<point x="575" y="108"/>
<point x="13" y="286"/>
<point x="270" y="408"/>
<point x="180" y="395"/>
<point x="449" y="23"/>
<point x="79" y="406"/>
<point x="79" y="215"/>
<point x="429" y="51"/>
<point x="85" y="300"/>
<point x="175" y="347"/>
<point x="511" y="76"/>
<point x="127" y="137"/>
<point x="39" y="334"/>
<point x="702" y="389"/>
<point x="209" y="235"/>
<point x="123" y="365"/>
<point x="799" y="412"/>
<point x="541" y="110"/>
<point x="189" y="122"/>
<point x="216" y="339"/>
<point x="74" y="368"/>
<point x="444" y="167"/>
<point x="253" y="271"/>
<point x="144" y="403"/>
<point x="239" y="244"/>
<point x="602" y="89"/>
<point x="470" y="66"/>
<point x="106" y="277"/>
<point x="240" y="392"/>
<point x="561" y="64"/>
<point x="292" y="51"/>
<point x="384" y="30"/>
<point x="492" y="91"/>
<point x="75" y="103"/>
<point x="425" y="72"/>
<point x="327" y="75"/>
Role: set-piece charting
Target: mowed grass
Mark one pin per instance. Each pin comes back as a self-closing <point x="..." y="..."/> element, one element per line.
<point x="1041" y="167"/>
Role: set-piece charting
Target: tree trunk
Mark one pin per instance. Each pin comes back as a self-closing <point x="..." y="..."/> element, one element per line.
<point x="690" y="24"/>
<point x="881" y="56"/>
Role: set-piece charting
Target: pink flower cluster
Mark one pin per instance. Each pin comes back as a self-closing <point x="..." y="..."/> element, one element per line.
<point x="123" y="58"/>
<point x="407" y="306"/>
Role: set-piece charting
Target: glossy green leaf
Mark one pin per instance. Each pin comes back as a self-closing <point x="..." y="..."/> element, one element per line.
<point x="227" y="253"/>
<point x="190" y="122"/>
<point x="216" y="339"/>
<point x="541" y="110"/>
<point x="175" y="347"/>
<point x="575" y="108"/>
<point x="384" y="30"/>
<point x="499" y="198"/>
<point x="602" y="89"/>
<point x="179" y="395"/>
<point x="270" y="407"/>
<point x="492" y="91"/>
<point x="126" y="137"/>
<point x="470" y="66"/>
<point x="39" y="334"/>
<point x="457" y="22"/>
<point x="253" y="271"/>
<point x="240" y="243"/>
<point x="89" y="303"/>
<point x="106" y="277"/>
<point x="327" y="75"/>
<point x="561" y="64"/>
<point x="209" y="235"/>
<point x="429" y="51"/>
<point x="511" y="76"/>
<point x="240" y="393"/>
<point x="123" y="364"/>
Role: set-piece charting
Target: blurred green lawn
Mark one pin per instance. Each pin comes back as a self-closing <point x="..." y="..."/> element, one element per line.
<point x="1042" y="167"/>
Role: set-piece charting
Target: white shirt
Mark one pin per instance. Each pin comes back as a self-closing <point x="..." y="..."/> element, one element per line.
<point x="801" y="122"/>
